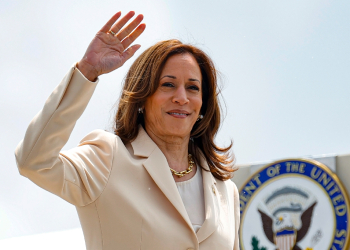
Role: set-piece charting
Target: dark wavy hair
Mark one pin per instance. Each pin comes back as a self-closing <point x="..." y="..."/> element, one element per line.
<point x="142" y="80"/>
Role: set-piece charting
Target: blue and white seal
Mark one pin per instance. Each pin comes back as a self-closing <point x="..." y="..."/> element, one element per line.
<point x="294" y="204"/>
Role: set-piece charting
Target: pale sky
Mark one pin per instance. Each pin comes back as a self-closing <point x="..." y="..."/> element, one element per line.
<point x="284" y="65"/>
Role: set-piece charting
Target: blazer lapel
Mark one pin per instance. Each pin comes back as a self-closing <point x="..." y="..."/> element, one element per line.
<point x="212" y="210"/>
<point x="158" y="168"/>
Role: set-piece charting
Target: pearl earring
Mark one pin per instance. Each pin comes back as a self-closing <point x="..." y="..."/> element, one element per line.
<point x="140" y="110"/>
<point x="200" y="117"/>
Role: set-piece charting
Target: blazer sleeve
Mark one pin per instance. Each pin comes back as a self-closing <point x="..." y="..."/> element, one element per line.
<point x="78" y="175"/>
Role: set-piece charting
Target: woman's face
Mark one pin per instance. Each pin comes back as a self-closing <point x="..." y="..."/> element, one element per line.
<point x="174" y="108"/>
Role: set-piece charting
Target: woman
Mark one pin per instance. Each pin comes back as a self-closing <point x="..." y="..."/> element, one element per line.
<point x="160" y="181"/>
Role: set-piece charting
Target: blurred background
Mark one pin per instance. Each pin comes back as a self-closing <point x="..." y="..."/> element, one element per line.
<point x="284" y="68"/>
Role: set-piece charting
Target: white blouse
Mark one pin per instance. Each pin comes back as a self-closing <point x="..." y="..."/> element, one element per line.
<point x="192" y="194"/>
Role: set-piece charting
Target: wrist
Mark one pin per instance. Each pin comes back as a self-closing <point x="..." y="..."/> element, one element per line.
<point x="87" y="70"/>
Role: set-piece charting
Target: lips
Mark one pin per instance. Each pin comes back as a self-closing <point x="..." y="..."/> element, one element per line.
<point x="178" y="113"/>
<point x="174" y="113"/>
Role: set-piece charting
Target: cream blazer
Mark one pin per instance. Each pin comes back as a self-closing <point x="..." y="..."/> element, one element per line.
<point x="125" y="195"/>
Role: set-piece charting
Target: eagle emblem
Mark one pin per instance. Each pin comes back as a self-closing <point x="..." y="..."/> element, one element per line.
<point x="283" y="228"/>
<point x="294" y="204"/>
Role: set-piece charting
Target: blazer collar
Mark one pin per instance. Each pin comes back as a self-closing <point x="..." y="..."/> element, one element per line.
<point x="158" y="168"/>
<point x="143" y="145"/>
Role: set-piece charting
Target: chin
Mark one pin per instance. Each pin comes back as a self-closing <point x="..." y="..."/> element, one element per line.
<point x="179" y="131"/>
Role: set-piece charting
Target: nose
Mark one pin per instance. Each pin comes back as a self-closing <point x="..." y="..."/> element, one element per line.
<point x="180" y="96"/>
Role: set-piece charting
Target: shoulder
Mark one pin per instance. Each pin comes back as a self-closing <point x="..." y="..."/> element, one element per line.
<point x="98" y="146"/>
<point x="99" y="135"/>
<point x="102" y="139"/>
<point x="230" y="186"/>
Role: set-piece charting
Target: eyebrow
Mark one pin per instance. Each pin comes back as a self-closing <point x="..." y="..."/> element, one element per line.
<point x="174" y="77"/>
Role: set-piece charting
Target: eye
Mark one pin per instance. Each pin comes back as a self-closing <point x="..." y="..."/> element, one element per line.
<point x="167" y="84"/>
<point x="194" y="87"/>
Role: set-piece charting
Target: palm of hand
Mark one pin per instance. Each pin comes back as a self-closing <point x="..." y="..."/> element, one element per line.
<point x="107" y="51"/>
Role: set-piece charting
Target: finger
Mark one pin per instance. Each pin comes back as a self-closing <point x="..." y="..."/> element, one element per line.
<point x="118" y="25"/>
<point x="127" y="54"/>
<point x="128" y="29"/>
<point x="135" y="34"/>
<point x="109" y="24"/>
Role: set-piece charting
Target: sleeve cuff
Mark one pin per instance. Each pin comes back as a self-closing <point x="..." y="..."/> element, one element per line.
<point x="75" y="67"/>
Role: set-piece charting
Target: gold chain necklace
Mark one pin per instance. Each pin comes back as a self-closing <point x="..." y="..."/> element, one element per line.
<point x="187" y="171"/>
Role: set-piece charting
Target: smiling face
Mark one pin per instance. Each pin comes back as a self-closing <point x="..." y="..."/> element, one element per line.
<point x="175" y="106"/>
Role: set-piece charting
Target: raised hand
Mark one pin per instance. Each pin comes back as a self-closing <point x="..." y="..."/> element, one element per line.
<point x="109" y="48"/>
